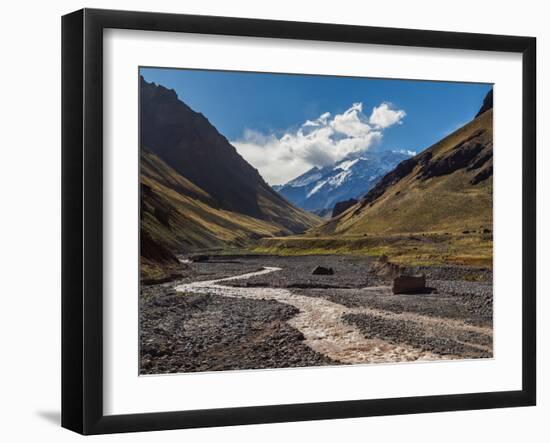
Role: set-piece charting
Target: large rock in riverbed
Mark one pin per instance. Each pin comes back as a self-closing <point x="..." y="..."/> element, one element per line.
<point x="409" y="284"/>
<point x="321" y="270"/>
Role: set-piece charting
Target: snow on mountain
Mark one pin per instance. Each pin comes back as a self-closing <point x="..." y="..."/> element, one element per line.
<point x="306" y="180"/>
<point x="317" y="186"/>
<point x="352" y="177"/>
<point x="346" y="164"/>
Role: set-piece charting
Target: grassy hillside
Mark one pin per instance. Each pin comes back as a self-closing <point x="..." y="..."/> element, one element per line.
<point x="178" y="216"/>
<point x="436" y="207"/>
<point x="451" y="202"/>
<point x="472" y="249"/>
<point x="193" y="148"/>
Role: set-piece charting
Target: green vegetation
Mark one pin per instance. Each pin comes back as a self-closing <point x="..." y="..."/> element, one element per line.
<point x="152" y="271"/>
<point x="473" y="249"/>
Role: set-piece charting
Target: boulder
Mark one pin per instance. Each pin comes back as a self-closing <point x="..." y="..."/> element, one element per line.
<point x="321" y="270"/>
<point x="409" y="284"/>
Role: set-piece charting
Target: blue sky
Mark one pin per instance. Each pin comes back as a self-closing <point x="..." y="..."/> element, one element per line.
<point x="265" y="115"/>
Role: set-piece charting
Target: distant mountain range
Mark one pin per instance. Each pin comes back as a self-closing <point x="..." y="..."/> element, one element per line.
<point x="319" y="189"/>
<point x="197" y="192"/>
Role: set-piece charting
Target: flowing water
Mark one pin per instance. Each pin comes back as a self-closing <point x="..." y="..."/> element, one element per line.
<point x="322" y="324"/>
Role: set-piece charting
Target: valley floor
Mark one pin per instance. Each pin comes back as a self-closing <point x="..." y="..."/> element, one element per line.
<point x="252" y="312"/>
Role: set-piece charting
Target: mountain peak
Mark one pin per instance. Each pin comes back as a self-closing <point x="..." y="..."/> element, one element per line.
<point x="487" y="103"/>
<point x="447" y="187"/>
<point x="188" y="143"/>
<point x="349" y="178"/>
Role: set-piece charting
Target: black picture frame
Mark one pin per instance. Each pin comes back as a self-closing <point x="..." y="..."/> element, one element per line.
<point x="82" y="218"/>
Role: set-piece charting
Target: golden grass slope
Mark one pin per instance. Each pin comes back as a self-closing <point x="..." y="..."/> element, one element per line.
<point x="182" y="217"/>
<point x="443" y="219"/>
<point x="442" y="204"/>
<point x="472" y="249"/>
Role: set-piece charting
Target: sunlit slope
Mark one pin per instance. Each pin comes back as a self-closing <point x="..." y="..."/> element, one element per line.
<point x="445" y="189"/>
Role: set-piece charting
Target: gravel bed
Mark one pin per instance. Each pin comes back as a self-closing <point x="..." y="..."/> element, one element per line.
<point x="441" y="340"/>
<point x="349" y="272"/>
<point x="455" y="273"/>
<point x="190" y="333"/>
<point x="470" y="309"/>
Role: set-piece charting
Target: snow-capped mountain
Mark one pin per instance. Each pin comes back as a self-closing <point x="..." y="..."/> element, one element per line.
<point x="352" y="177"/>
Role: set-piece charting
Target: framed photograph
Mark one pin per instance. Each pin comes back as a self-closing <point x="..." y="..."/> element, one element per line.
<point x="269" y="221"/>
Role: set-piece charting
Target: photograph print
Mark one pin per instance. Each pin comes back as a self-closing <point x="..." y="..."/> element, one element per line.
<point x="291" y="221"/>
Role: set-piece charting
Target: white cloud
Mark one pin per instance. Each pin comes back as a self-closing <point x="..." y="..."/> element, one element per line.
<point x="318" y="142"/>
<point x="384" y="116"/>
<point x="321" y="121"/>
<point x="406" y="152"/>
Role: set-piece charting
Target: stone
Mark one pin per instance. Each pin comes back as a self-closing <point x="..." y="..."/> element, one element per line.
<point x="409" y="284"/>
<point x="321" y="270"/>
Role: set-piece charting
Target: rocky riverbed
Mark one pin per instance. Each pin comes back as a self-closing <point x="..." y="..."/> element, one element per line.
<point x="252" y="312"/>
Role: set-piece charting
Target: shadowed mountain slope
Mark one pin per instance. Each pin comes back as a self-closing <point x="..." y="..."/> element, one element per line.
<point x="189" y="144"/>
<point x="177" y="216"/>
